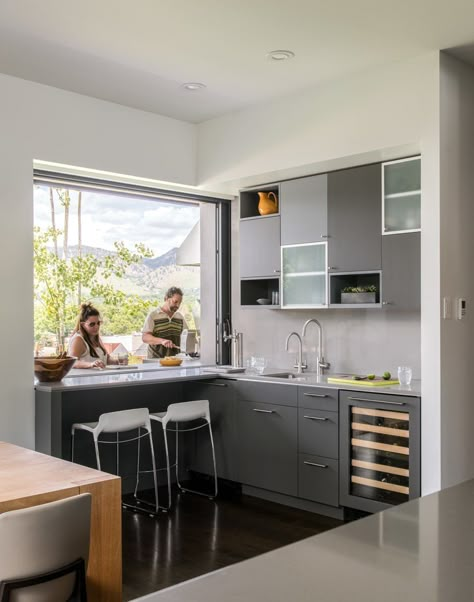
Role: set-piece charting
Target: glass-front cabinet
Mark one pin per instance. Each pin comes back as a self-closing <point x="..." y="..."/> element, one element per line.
<point x="401" y="191"/>
<point x="304" y="277"/>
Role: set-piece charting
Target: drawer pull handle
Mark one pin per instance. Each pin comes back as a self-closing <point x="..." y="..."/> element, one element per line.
<point x="392" y="403"/>
<point x="264" y="411"/>
<point x="216" y="384"/>
<point x="314" y="395"/>
<point x="315" y="464"/>
<point x="315" y="418"/>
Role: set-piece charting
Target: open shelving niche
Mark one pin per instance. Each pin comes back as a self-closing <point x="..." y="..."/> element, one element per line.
<point x="252" y="289"/>
<point x="339" y="281"/>
<point x="249" y="201"/>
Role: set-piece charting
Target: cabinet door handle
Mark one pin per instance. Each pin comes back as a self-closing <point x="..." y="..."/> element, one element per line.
<point x="333" y="268"/>
<point x="325" y="236"/>
<point x="392" y="403"/>
<point x="264" y="411"/>
<point x="216" y="384"/>
<point x="276" y="271"/>
<point x="314" y="395"/>
<point x="315" y="464"/>
<point x="315" y="418"/>
<point x="387" y="303"/>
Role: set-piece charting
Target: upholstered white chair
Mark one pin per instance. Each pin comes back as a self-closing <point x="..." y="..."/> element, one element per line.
<point x="44" y="551"/>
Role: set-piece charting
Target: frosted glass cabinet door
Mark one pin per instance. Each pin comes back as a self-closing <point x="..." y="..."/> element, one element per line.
<point x="402" y="196"/>
<point x="304" y="275"/>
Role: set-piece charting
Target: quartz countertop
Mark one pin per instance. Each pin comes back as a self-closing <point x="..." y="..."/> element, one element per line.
<point x="194" y="370"/>
<point x="422" y="550"/>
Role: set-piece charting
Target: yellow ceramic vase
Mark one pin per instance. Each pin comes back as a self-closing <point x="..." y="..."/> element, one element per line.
<point x="267" y="203"/>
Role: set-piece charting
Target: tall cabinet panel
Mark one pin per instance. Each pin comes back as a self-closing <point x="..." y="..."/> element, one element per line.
<point x="303" y="210"/>
<point x="354" y="214"/>
<point x="260" y="247"/>
<point x="401" y="271"/>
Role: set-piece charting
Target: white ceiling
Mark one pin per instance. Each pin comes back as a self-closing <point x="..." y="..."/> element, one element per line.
<point x="138" y="53"/>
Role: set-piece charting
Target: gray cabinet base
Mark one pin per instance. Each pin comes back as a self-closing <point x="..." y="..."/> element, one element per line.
<point x="294" y="502"/>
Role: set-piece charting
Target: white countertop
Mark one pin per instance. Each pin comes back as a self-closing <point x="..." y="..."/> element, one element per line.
<point x="193" y="370"/>
<point x="421" y="551"/>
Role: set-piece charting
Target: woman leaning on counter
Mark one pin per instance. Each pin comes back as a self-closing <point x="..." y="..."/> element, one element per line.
<point x="85" y="343"/>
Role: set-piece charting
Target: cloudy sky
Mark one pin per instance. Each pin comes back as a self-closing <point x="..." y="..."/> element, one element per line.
<point x="107" y="218"/>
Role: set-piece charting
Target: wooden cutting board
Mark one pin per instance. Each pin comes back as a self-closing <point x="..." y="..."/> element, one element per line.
<point x="364" y="382"/>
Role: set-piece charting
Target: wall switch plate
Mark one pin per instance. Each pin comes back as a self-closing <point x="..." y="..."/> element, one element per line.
<point x="447" y="308"/>
<point x="460" y="308"/>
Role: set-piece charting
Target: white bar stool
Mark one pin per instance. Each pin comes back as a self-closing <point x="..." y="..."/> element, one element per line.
<point x="119" y="422"/>
<point x="178" y="413"/>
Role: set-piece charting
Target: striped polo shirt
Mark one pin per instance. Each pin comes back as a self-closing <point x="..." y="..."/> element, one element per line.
<point x="161" y="325"/>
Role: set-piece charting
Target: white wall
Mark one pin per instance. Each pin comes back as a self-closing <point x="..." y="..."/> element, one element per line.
<point x="383" y="113"/>
<point x="457" y="260"/>
<point x="39" y="122"/>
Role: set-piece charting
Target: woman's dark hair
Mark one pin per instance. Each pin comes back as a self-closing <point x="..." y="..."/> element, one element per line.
<point x="174" y="290"/>
<point x="87" y="310"/>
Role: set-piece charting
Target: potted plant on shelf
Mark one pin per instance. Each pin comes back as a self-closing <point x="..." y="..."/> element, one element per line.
<point x="359" y="294"/>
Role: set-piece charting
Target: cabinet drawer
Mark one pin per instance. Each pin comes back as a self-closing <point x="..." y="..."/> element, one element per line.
<point x="318" y="432"/>
<point x="318" y="479"/>
<point x="318" y="398"/>
<point x="393" y="402"/>
<point x="266" y="393"/>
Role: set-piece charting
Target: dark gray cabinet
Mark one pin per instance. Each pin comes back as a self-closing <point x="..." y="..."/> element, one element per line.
<point x="354" y="219"/>
<point x="260" y="247"/>
<point x="303" y="210"/>
<point x="318" y="445"/>
<point x="267" y="438"/>
<point x="401" y="271"/>
<point x="220" y="393"/>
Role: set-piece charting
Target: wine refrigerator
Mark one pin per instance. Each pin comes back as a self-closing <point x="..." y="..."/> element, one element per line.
<point x="379" y="450"/>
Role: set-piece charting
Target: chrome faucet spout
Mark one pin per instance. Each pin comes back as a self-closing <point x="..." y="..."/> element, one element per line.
<point x="299" y="364"/>
<point x="321" y="365"/>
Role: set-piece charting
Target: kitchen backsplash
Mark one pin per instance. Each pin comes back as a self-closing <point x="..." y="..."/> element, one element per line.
<point x="354" y="341"/>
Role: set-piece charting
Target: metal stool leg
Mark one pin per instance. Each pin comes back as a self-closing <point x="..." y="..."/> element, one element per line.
<point x="73" y="432"/>
<point x="97" y="457"/>
<point x="168" y="477"/>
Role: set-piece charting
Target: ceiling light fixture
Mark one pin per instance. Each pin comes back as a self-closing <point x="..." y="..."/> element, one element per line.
<point x="193" y="86"/>
<point x="280" y="55"/>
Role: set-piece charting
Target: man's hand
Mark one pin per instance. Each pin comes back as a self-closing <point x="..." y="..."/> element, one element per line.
<point x="167" y="343"/>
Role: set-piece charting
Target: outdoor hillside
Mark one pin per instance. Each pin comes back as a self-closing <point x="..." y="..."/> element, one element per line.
<point x="151" y="276"/>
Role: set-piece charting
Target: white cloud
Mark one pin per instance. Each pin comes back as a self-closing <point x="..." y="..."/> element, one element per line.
<point x="108" y="218"/>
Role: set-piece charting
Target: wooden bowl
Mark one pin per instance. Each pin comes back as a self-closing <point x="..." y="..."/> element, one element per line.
<point x="52" y="369"/>
<point x="171" y="361"/>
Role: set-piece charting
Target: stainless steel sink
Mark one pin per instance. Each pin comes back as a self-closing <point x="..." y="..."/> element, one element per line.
<point x="287" y="375"/>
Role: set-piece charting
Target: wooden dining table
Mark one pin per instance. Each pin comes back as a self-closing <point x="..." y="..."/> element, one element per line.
<point x="29" y="478"/>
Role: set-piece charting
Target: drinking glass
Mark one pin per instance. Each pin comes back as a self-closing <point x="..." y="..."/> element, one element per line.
<point x="404" y="375"/>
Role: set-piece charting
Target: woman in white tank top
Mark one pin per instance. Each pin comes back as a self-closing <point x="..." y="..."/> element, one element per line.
<point x="85" y="343"/>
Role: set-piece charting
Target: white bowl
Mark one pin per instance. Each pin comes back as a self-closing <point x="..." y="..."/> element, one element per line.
<point x="264" y="301"/>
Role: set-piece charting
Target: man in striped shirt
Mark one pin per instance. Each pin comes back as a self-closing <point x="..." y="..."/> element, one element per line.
<point x="164" y="325"/>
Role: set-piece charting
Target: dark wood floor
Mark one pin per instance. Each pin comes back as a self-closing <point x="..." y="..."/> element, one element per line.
<point x="201" y="535"/>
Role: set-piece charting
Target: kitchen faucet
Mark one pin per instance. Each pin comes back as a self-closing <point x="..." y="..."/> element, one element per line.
<point x="299" y="364"/>
<point x="321" y="365"/>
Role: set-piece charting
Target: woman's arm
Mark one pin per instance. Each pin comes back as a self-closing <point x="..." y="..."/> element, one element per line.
<point x="78" y="348"/>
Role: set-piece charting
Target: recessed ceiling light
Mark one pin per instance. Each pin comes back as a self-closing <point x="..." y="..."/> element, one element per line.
<point x="280" y="55"/>
<point x="193" y="86"/>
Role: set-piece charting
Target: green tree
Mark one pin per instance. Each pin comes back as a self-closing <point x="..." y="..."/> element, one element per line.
<point x="59" y="279"/>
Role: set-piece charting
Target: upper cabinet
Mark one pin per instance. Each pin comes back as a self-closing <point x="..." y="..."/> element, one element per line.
<point x="303" y="209"/>
<point x="304" y="275"/>
<point x="401" y="271"/>
<point x="260" y="247"/>
<point x="401" y="196"/>
<point x="354" y="214"/>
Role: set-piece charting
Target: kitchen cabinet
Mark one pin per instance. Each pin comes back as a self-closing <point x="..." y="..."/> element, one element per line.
<point x="221" y="396"/>
<point x="260" y="247"/>
<point x="303" y="210"/>
<point x="354" y="215"/>
<point x="266" y="421"/>
<point x="304" y="275"/>
<point x="318" y="445"/>
<point x="401" y="271"/>
<point x="401" y="195"/>
<point x="379" y="449"/>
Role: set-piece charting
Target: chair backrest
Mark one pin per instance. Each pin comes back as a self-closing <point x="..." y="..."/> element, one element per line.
<point x="124" y="420"/>
<point x="41" y="539"/>
<point x="187" y="410"/>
